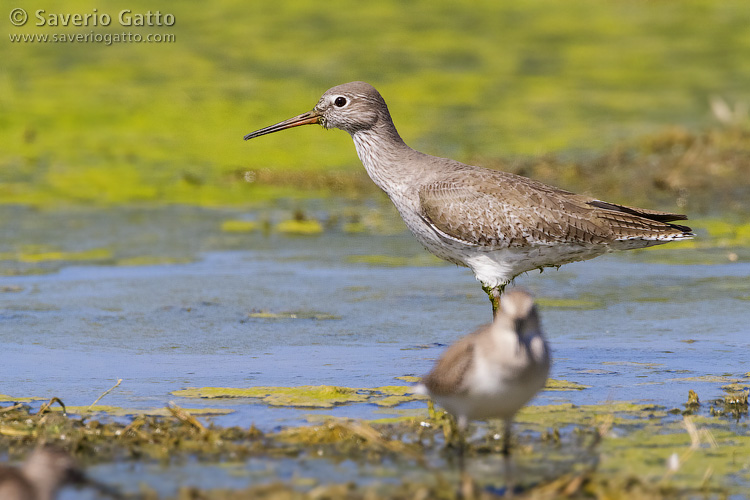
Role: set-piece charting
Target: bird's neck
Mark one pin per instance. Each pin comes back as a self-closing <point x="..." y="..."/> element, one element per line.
<point x="385" y="156"/>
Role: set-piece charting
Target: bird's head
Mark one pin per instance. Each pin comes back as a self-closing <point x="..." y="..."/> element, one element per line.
<point x="518" y="312"/>
<point x="351" y="107"/>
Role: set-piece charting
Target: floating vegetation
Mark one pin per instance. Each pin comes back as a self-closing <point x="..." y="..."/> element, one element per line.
<point x="293" y="315"/>
<point x="239" y="226"/>
<point x="734" y="404"/>
<point x="4" y="398"/>
<point x="617" y="413"/>
<point x="633" y="363"/>
<point x="307" y="227"/>
<point x="736" y="386"/>
<point x="34" y="255"/>
<point x="116" y="411"/>
<point x="693" y="403"/>
<point x="422" y="259"/>
<point x="719" y="233"/>
<point x="152" y="260"/>
<point x="354" y="227"/>
<point x="144" y="437"/>
<point x="306" y="396"/>
<point x="714" y="379"/>
<point x="302" y="396"/>
<point x="587" y="303"/>
<point x="576" y="449"/>
<point x="564" y="385"/>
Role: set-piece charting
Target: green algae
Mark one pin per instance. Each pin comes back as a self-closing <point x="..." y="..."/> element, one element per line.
<point x="717" y="241"/>
<point x="239" y="226"/>
<point x="564" y="385"/>
<point x="300" y="227"/>
<point x="584" y="303"/>
<point x="393" y="390"/>
<point x="293" y="315"/>
<point x="409" y="378"/>
<point x="354" y="228"/>
<point x="307" y="396"/>
<point x="301" y="396"/>
<point x="632" y="363"/>
<point x="612" y="450"/>
<point x="617" y="413"/>
<point x="152" y="260"/>
<point x="354" y="434"/>
<point x="25" y="399"/>
<point x="394" y="396"/>
<point x="36" y="255"/>
<point x="419" y="260"/>
<point x="719" y="233"/>
<point x="143" y="437"/>
<point x="714" y="379"/>
<point x="736" y="386"/>
<point x="116" y="411"/>
<point x="701" y="456"/>
<point x="77" y="144"/>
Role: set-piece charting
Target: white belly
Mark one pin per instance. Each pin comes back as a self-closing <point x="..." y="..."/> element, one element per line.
<point x="494" y="391"/>
<point x="498" y="266"/>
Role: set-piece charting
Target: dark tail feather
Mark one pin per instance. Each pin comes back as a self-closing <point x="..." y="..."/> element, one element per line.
<point x="665" y="217"/>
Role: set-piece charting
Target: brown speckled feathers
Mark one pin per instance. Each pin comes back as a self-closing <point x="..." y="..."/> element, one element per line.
<point x="497" y="209"/>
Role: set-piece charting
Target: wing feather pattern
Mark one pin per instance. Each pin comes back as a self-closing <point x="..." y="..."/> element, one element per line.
<point x="497" y="209"/>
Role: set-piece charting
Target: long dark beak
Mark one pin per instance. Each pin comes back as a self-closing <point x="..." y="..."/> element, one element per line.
<point x="309" y="118"/>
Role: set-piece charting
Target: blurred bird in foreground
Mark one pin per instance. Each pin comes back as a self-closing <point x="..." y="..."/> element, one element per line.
<point x="493" y="372"/>
<point x="43" y="474"/>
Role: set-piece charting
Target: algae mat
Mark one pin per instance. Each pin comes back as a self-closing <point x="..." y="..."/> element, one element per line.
<point x="594" y="451"/>
<point x="331" y="396"/>
<point x="305" y="396"/>
<point x="98" y="123"/>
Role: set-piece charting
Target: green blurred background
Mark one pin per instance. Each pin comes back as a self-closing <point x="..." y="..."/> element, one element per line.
<point x="588" y="94"/>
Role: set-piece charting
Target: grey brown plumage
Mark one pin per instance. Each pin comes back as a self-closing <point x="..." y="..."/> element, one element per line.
<point x="14" y="485"/>
<point x="449" y="371"/>
<point x="44" y="472"/>
<point x="496" y="223"/>
<point x="494" y="371"/>
<point x="40" y="477"/>
<point x="496" y="209"/>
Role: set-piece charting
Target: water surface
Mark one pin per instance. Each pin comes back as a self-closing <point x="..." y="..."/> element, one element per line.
<point x="629" y="327"/>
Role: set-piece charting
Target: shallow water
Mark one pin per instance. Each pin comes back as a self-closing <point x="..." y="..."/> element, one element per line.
<point x="630" y="328"/>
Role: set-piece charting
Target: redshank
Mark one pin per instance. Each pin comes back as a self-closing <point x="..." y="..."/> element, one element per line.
<point x="46" y="470"/>
<point x="496" y="223"/>
<point x="494" y="371"/>
<point x="43" y="473"/>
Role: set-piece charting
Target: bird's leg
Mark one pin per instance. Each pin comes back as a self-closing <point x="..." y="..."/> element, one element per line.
<point x="506" y="438"/>
<point x="509" y="484"/>
<point x="466" y="484"/>
<point x="461" y="452"/>
<point x="458" y="438"/>
<point x="494" y="294"/>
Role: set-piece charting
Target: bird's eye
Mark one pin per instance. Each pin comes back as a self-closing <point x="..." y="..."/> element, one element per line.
<point x="340" y="102"/>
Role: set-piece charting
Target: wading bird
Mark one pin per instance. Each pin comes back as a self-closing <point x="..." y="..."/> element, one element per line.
<point x="496" y="223"/>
